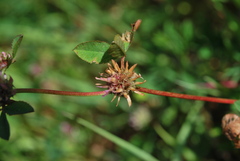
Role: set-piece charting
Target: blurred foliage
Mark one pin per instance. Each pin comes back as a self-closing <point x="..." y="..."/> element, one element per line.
<point x="181" y="46"/>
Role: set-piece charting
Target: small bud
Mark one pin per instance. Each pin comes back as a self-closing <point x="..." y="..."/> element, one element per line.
<point x="136" y="25"/>
<point x="231" y="128"/>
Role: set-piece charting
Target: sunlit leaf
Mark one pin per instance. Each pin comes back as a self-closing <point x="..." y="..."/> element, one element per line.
<point x="18" y="107"/>
<point x="98" y="51"/>
<point x="102" y="52"/>
<point x="92" y="51"/>
<point x="16" y="43"/>
<point x="4" y="127"/>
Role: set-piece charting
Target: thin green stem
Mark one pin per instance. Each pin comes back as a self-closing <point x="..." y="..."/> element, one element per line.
<point x="185" y="96"/>
<point x="56" y="92"/>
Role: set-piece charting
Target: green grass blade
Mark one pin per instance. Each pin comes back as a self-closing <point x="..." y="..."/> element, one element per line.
<point x="185" y="131"/>
<point x="168" y="139"/>
<point x="120" y="142"/>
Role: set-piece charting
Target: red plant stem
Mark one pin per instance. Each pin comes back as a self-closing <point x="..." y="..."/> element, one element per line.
<point x="140" y="89"/>
<point x="185" y="96"/>
<point x="55" y="92"/>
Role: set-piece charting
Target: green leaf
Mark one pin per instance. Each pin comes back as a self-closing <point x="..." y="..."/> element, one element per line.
<point x="237" y="105"/>
<point x="18" y="107"/>
<point x="92" y="51"/>
<point x="101" y="52"/>
<point x="121" y="43"/>
<point x="15" y="44"/>
<point x="98" y="51"/>
<point x="114" y="52"/>
<point x="4" y="127"/>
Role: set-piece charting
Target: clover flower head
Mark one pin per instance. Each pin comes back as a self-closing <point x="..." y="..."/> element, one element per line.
<point x="120" y="80"/>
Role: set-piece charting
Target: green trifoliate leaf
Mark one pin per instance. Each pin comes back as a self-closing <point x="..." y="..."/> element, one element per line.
<point x="18" y="107"/>
<point x="98" y="51"/>
<point x="102" y="52"/>
<point x="4" y="127"/>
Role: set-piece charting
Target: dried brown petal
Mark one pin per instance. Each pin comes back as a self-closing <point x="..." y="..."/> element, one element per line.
<point x="137" y="83"/>
<point x="116" y="67"/>
<point x="122" y="63"/>
<point x="132" y="68"/>
<point x="128" y="99"/>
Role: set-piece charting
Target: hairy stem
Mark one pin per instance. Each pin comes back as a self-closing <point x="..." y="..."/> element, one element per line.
<point x="56" y="92"/>
<point x="185" y="96"/>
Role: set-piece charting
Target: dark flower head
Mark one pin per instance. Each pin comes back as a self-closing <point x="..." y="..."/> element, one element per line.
<point x="120" y="80"/>
<point x="6" y="89"/>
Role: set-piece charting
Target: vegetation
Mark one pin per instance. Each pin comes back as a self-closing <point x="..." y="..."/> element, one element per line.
<point x="181" y="46"/>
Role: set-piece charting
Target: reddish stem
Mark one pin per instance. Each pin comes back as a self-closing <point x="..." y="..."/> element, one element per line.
<point x="140" y="89"/>
<point x="185" y="96"/>
<point x="55" y="92"/>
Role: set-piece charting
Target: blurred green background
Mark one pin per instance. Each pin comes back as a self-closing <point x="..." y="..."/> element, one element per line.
<point x="187" y="47"/>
